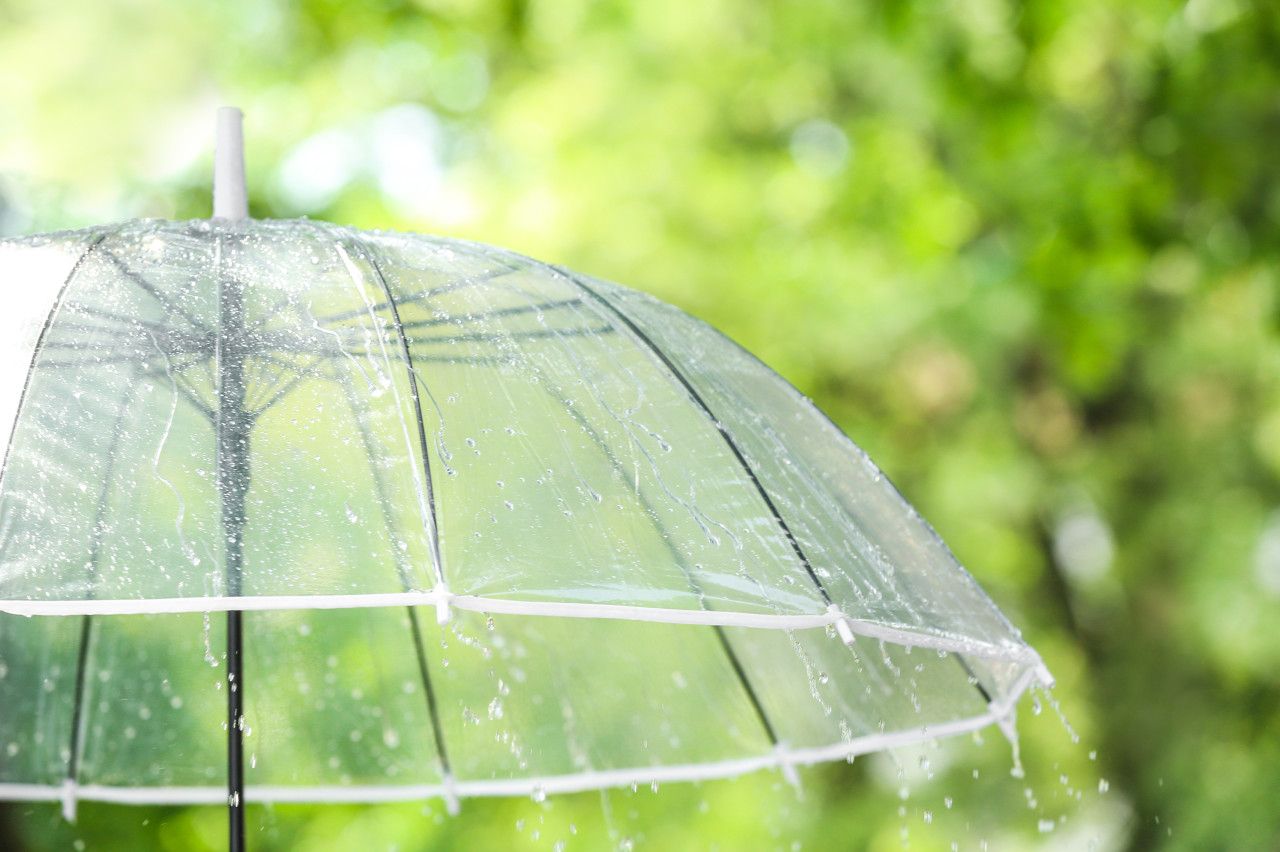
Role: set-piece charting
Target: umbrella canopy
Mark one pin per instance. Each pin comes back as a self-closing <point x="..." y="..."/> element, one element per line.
<point x="495" y="528"/>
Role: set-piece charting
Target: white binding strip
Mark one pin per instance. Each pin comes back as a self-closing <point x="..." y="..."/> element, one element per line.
<point x="442" y="598"/>
<point x="576" y="783"/>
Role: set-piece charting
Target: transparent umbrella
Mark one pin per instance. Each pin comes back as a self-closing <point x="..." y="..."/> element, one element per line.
<point x="479" y="526"/>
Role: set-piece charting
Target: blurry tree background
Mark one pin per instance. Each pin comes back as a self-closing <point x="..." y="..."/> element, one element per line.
<point x="1025" y="254"/>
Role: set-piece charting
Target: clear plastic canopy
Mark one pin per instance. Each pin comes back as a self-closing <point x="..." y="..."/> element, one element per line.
<point x="650" y="557"/>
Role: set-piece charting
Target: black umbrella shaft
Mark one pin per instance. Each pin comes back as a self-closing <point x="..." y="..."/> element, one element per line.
<point x="235" y="733"/>
<point x="233" y="483"/>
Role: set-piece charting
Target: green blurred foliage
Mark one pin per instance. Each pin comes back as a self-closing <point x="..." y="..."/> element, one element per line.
<point x="1025" y="254"/>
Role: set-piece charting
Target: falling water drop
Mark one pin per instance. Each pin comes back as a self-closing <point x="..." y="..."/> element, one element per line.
<point x="208" y="645"/>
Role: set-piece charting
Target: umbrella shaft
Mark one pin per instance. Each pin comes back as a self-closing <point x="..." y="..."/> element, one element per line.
<point x="235" y="734"/>
<point x="233" y="429"/>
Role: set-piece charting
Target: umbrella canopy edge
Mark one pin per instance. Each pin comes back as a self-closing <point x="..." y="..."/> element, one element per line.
<point x="781" y="758"/>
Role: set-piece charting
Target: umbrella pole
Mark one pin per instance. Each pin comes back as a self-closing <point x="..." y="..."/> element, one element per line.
<point x="232" y="428"/>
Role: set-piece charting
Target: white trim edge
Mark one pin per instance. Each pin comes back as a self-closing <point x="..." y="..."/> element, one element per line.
<point x="780" y="758"/>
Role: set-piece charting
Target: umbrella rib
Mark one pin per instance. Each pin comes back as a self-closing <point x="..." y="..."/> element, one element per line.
<point x="121" y="359"/>
<point x="156" y="294"/>
<point x="701" y="403"/>
<point x="487" y="315"/>
<point x="459" y="284"/>
<point x="406" y="582"/>
<point x="733" y="446"/>
<point x="44" y="332"/>
<point x="498" y="337"/>
<point x="78" y="719"/>
<point x="303" y="374"/>
<point x="101" y="313"/>
<point x="189" y="393"/>
<point x="734" y="661"/>
<point x="434" y="527"/>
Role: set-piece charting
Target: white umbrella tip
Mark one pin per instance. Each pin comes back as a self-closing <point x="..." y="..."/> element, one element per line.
<point x="230" y="195"/>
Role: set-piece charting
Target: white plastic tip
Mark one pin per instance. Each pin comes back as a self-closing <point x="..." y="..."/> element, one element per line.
<point x="230" y="196"/>
<point x="1044" y="676"/>
<point x="452" y="804"/>
<point x="69" y="789"/>
<point x="787" y="767"/>
<point x="443" y="611"/>
<point x="842" y="625"/>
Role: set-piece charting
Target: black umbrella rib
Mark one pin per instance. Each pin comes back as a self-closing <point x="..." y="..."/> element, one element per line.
<point x="135" y="358"/>
<point x="112" y="334"/>
<point x="415" y="324"/>
<point x="616" y="464"/>
<point x="733" y="446"/>
<point x="501" y="336"/>
<point x="160" y="297"/>
<point x="283" y="390"/>
<point x="488" y="315"/>
<point x="406" y="582"/>
<point x="498" y="337"/>
<point x="701" y="403"/>
<point x="421" y="358"/>
<point x="123" y="319"/>
<point x="44" y="332"/>
<point x="460" y="284"/>
<point x="957" y="656"/>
